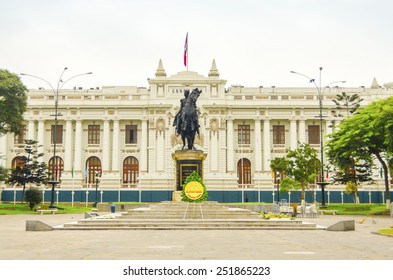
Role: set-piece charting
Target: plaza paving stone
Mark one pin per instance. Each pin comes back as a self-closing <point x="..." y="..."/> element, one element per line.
<point x="361" y="244"/>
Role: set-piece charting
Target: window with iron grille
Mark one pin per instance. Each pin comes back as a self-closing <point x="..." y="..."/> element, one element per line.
<point x="21" y="136"/>
<point x="94" y="134"/>
<point x="313" y="134"/>
<point x="278" y="134"/>
<point x="59" y="134"/>
<point x="243" y="134"/>
<point x="131" y="134"/>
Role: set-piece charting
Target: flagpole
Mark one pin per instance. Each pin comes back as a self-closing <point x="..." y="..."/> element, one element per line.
<point x="73" y="186"/>
<point x="187" y="52"/>
<point x="73" y="192"/>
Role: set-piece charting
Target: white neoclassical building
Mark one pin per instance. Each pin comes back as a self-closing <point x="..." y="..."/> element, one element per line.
<point x="125" y="132"/>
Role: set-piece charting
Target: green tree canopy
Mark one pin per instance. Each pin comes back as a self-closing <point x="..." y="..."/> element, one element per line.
<point x="12" y="102"/>
<point x="32" y="171"/>
<point x="303" y="168"/>
<point x="3" y="174"/>
<point x="363" y="136"/>
<point x="347" y="103"/>
<point x="279" y="164"/>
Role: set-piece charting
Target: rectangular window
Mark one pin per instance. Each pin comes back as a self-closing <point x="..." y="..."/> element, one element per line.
<point x="243" y="134"/>
<point x="313" y="134"/>
<point x="131" y="134"/>
<point x="93" y="134"/>
<point x="278" y="134"/>
<point x="21" y="136"/>
<point x="59" y="134"/>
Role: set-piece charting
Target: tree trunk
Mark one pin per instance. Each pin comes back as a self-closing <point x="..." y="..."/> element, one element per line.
<point x="303" y="201"/>
<point x="386" y="178"/>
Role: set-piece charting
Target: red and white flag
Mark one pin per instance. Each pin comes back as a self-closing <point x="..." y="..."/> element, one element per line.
<point x="186" y="50"/>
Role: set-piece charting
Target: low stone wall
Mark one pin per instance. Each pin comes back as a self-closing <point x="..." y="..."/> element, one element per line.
<point x="106" y="207"/>
<point x="266" y="208"/>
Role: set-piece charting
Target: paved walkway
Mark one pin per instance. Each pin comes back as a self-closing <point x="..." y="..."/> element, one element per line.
<point x="361" y="244"/>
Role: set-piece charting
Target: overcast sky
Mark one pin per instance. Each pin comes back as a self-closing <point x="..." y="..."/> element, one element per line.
<point x="254" y="42"/>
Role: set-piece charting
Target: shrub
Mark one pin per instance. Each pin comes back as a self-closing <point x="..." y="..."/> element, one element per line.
<point x="194" y="177"/>
<point x="33" y="197"/>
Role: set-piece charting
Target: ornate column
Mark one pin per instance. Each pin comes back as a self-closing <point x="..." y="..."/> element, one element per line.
<point x="31" y="130"/>
<point x="293" y="137"/>
<point x="144" y="146"/>
<point x="41" y="136"/>
<point x="302" y="131"/>
<point x="266" y="145"/>
<point x="214" y="146"/>
<point x="337" y="125"/>
<point x="230" y="151"/>
<point x="78" y="146"/>
<point x="68" y="147"/>
<point x="106" y="147"/>
<point x="258" y="146"/>
<point x="115" y="146"/>
<point x="329" y="127"/>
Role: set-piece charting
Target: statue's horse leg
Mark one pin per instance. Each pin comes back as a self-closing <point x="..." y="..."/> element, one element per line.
<point x="183" y="138"/>
<point x="191" y="142"/>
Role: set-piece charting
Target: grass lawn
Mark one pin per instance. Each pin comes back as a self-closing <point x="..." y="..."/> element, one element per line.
<point x="19" y="208"/>
<point x="359" y="209"/>
<point x="350" y="208"/>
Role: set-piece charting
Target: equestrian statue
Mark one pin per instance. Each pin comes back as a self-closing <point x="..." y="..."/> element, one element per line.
<point x="186" y="120"/>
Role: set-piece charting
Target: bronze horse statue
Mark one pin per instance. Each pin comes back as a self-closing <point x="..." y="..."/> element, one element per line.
<point x="186" y="120"/>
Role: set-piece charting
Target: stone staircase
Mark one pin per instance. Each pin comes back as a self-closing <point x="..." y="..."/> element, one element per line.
<point x="187" y="216"/>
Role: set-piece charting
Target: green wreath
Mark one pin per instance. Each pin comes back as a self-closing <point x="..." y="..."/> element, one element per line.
<point x="194" y="176"/>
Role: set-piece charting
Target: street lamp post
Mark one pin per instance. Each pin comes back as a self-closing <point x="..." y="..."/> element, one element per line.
<point x="97" y="182"/>
<point x="54" y="178"/>
<point x="322" y="183"/>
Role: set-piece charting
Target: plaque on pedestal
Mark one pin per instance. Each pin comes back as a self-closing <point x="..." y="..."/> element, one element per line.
<point x="187" y="161"/>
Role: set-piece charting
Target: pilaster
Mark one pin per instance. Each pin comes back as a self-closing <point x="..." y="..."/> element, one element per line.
<point x="106" y="147"/>
<point x="68" y="146"/>
<point x="115" y="146"/>
<point x="144" y="146"/>
<point x="230" y="150"/>
<point x="293" y="134"/>
<point x="258" y="146"/>
<point x="31" y="130"/>
<point x="266" y="145"/>
<point x="78" y="146"/>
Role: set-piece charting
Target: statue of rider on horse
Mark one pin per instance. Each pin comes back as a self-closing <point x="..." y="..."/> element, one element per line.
<point x="186" y="120"/>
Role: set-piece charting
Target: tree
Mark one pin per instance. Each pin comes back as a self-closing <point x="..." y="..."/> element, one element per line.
<point x="354" y="172"/>
<point x="33" y="197"/>
<point x="348" y="103"/>
<point x="3" y="174"/>
<point x="33" y="171"/>
<point x="303" y="169"/>
<point x="364" y="136"/>
<point x="352" y="189"/>
<point x="279" y="165"/>
<point x="194" y="177"/>
<point x="12" y="102"/>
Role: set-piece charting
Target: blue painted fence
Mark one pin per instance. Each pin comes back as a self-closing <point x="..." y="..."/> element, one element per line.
<point x="214" y="195"/>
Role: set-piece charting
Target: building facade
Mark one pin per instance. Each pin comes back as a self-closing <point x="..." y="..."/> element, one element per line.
<point x="125" y="135"/>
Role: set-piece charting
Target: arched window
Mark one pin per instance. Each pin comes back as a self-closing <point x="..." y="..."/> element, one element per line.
<point x="244" y="171"/>
<point x="59" y="168"/>
<point x="18" y="162"/>
<point x="93" y="165"/>
<point x="130" y="170"/>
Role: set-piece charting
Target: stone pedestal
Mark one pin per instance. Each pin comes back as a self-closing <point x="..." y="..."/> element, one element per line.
<point x="176" y="196"/>
<point x="187" y="161"/>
